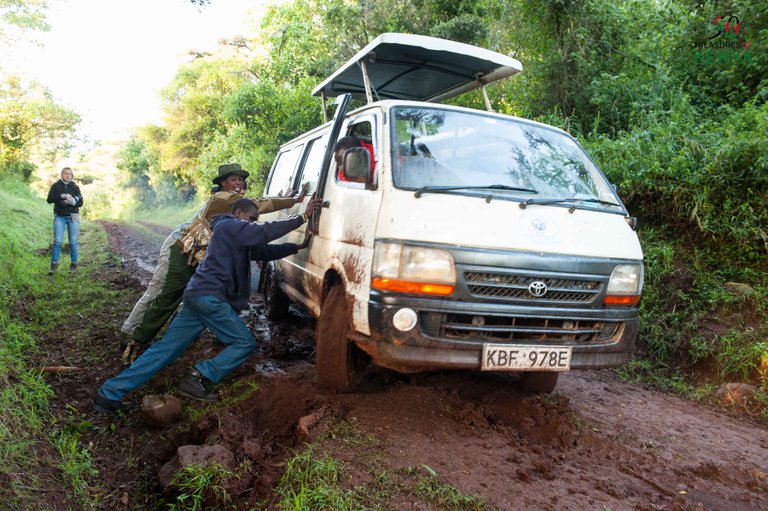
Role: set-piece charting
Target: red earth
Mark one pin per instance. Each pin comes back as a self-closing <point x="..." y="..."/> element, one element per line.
<point x="595" y="443"/>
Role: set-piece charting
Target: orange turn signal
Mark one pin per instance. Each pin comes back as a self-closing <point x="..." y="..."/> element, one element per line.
<point x="622" y="300"/>
<point x="404" y="286"/>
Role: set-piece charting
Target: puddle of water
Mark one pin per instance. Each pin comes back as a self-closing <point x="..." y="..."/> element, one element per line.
<point x="268" y="367"/>
<point x="144" y="265"/>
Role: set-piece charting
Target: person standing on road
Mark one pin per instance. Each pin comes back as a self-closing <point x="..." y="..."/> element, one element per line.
<point x="176" y="265"/>
<point x="216" y="294"/>
<point x="66" y="198"/>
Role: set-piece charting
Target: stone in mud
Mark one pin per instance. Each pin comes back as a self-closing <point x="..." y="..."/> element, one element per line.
<point x="161" y="410"/>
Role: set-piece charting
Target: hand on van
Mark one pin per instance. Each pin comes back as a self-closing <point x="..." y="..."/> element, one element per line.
<point x="302" y="193"/>
<point x="307" y="238"/>
<point x="312" y="206"/>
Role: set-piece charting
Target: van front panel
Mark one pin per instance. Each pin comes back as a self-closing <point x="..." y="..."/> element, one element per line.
<point x="493" y="303"/>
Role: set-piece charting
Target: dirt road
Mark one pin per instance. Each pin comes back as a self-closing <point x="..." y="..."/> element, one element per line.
<point x="596" y="443"/>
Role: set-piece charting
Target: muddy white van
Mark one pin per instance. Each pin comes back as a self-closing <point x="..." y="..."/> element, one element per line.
<point x="452" y="238"/>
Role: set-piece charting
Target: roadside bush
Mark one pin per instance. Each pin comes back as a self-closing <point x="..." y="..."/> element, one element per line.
<point x="17" y="169"/>
<point x="689" y="320"/>
<point x="704" y="177"/>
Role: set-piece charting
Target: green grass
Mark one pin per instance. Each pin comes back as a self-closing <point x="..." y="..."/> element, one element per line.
<point x="32" y="304"/>
<point x="76" y="467"/>
<point x="199" y="487"/>
<point x="689" y="319"/>
<point x="315" y="480"/>
<point x="312" y="482"/>
<point x="431" y="489"/>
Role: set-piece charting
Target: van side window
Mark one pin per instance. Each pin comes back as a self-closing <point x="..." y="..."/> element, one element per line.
<point x="362" y="131"/>
<point x="283" y="171"/>
<point x="314" y="162"/>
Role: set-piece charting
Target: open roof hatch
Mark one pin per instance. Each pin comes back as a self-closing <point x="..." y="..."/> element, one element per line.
<point x="416" y="67"/>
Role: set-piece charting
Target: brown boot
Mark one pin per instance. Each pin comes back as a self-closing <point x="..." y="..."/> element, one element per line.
<point x="193" y="387"/>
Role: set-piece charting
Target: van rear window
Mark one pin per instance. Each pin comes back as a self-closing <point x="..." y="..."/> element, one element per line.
<point x="284" y="169"/>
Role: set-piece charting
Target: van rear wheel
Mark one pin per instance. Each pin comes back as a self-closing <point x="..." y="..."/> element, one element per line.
<point x="337" y="356"/>
<point x="275" y="300"/>
<point x="539" y="382"/>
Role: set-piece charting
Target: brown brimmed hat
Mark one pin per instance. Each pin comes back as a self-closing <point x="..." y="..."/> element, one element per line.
<point x="230" y="169"/>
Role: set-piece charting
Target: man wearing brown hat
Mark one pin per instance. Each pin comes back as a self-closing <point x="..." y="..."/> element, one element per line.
<point x="182" y="250"/>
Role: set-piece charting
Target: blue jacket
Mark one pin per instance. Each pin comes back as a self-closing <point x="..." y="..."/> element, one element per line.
<point x="226" y="270"/>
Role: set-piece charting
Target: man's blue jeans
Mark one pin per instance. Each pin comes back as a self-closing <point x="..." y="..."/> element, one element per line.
<point x="197" y="313"/>
<point x="72" y="225"/>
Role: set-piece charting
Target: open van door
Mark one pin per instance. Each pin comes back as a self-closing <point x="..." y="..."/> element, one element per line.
<point x="338" y="118"/>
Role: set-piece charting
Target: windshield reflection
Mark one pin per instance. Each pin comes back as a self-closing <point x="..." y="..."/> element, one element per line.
<point x="442" y="148"/>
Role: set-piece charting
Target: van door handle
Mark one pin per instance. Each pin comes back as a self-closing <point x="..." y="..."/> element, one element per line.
<point x="326" y="204"/>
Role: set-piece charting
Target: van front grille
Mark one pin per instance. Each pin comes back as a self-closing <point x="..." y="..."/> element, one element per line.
<point x="518" y="287"/>
<point x="517" y="329"/>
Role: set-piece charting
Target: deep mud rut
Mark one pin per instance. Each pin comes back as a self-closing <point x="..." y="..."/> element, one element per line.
<point x="595" y="443"/>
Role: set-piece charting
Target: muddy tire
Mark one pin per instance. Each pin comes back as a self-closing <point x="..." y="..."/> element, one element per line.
<point x="541" y="382"/>
<point x="275" y="301"/>
<point x="337" y="357"/>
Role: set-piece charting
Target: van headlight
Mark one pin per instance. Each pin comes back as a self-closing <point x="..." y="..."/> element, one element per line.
<point x="625" y="285"/>
<point x="408" y="269"/>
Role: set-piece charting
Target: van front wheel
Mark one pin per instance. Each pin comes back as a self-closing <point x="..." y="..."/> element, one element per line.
<point x="336" y="354"/>
<point x="539" y="382"/>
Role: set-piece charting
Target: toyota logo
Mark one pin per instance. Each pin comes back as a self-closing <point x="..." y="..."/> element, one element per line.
<point x="537" y="288"/>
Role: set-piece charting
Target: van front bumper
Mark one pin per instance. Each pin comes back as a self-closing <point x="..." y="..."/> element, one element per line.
<point x="451" y="334"/>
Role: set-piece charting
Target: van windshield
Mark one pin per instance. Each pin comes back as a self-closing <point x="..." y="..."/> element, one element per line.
<point x="478" y="153"/>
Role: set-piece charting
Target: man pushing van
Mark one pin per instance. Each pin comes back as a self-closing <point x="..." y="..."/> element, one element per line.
<point x="216" y="294"/>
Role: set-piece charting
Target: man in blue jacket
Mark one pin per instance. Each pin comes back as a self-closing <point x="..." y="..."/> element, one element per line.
<point x="217" y="292"/>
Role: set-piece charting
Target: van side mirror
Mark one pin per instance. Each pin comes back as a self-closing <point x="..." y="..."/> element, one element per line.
<point x="356" y="165"/>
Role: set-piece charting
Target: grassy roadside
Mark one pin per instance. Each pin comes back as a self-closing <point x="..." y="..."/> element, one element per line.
<point x="25" y="419"/>
<point x="40" y="449"/>
<point x="704" y="322"/>
<point x="47" y="445"/>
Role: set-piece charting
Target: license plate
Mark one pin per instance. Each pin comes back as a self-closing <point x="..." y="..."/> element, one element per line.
<point x="503" y="357"/>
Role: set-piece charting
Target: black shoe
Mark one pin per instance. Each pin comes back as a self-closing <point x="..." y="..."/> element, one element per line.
<point x="72" y="267"/>
<point x="193" y="387"/>
<point x="104" y="405"/>
<point x="54" y="267"/>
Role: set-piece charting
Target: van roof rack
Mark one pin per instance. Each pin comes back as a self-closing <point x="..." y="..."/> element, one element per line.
<point x="417" y="67"/>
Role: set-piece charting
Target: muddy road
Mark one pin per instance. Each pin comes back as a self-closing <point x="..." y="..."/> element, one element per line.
<point x="596" y="443"/>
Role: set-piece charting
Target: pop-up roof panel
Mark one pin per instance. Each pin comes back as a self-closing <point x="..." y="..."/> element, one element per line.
<point x="420" y="68"/>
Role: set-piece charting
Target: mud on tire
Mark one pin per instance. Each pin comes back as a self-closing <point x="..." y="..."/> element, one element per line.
<point x="275" y="301"/>
<point x="338" y="358"/>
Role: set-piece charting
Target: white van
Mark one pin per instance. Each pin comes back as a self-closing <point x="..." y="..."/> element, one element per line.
<point x="453" y="237"/>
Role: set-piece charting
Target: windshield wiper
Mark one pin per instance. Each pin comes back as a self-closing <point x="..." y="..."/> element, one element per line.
<point x="575" y="200"/>
<point x="441" y="189"/>
<point x="600" y="201"/>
